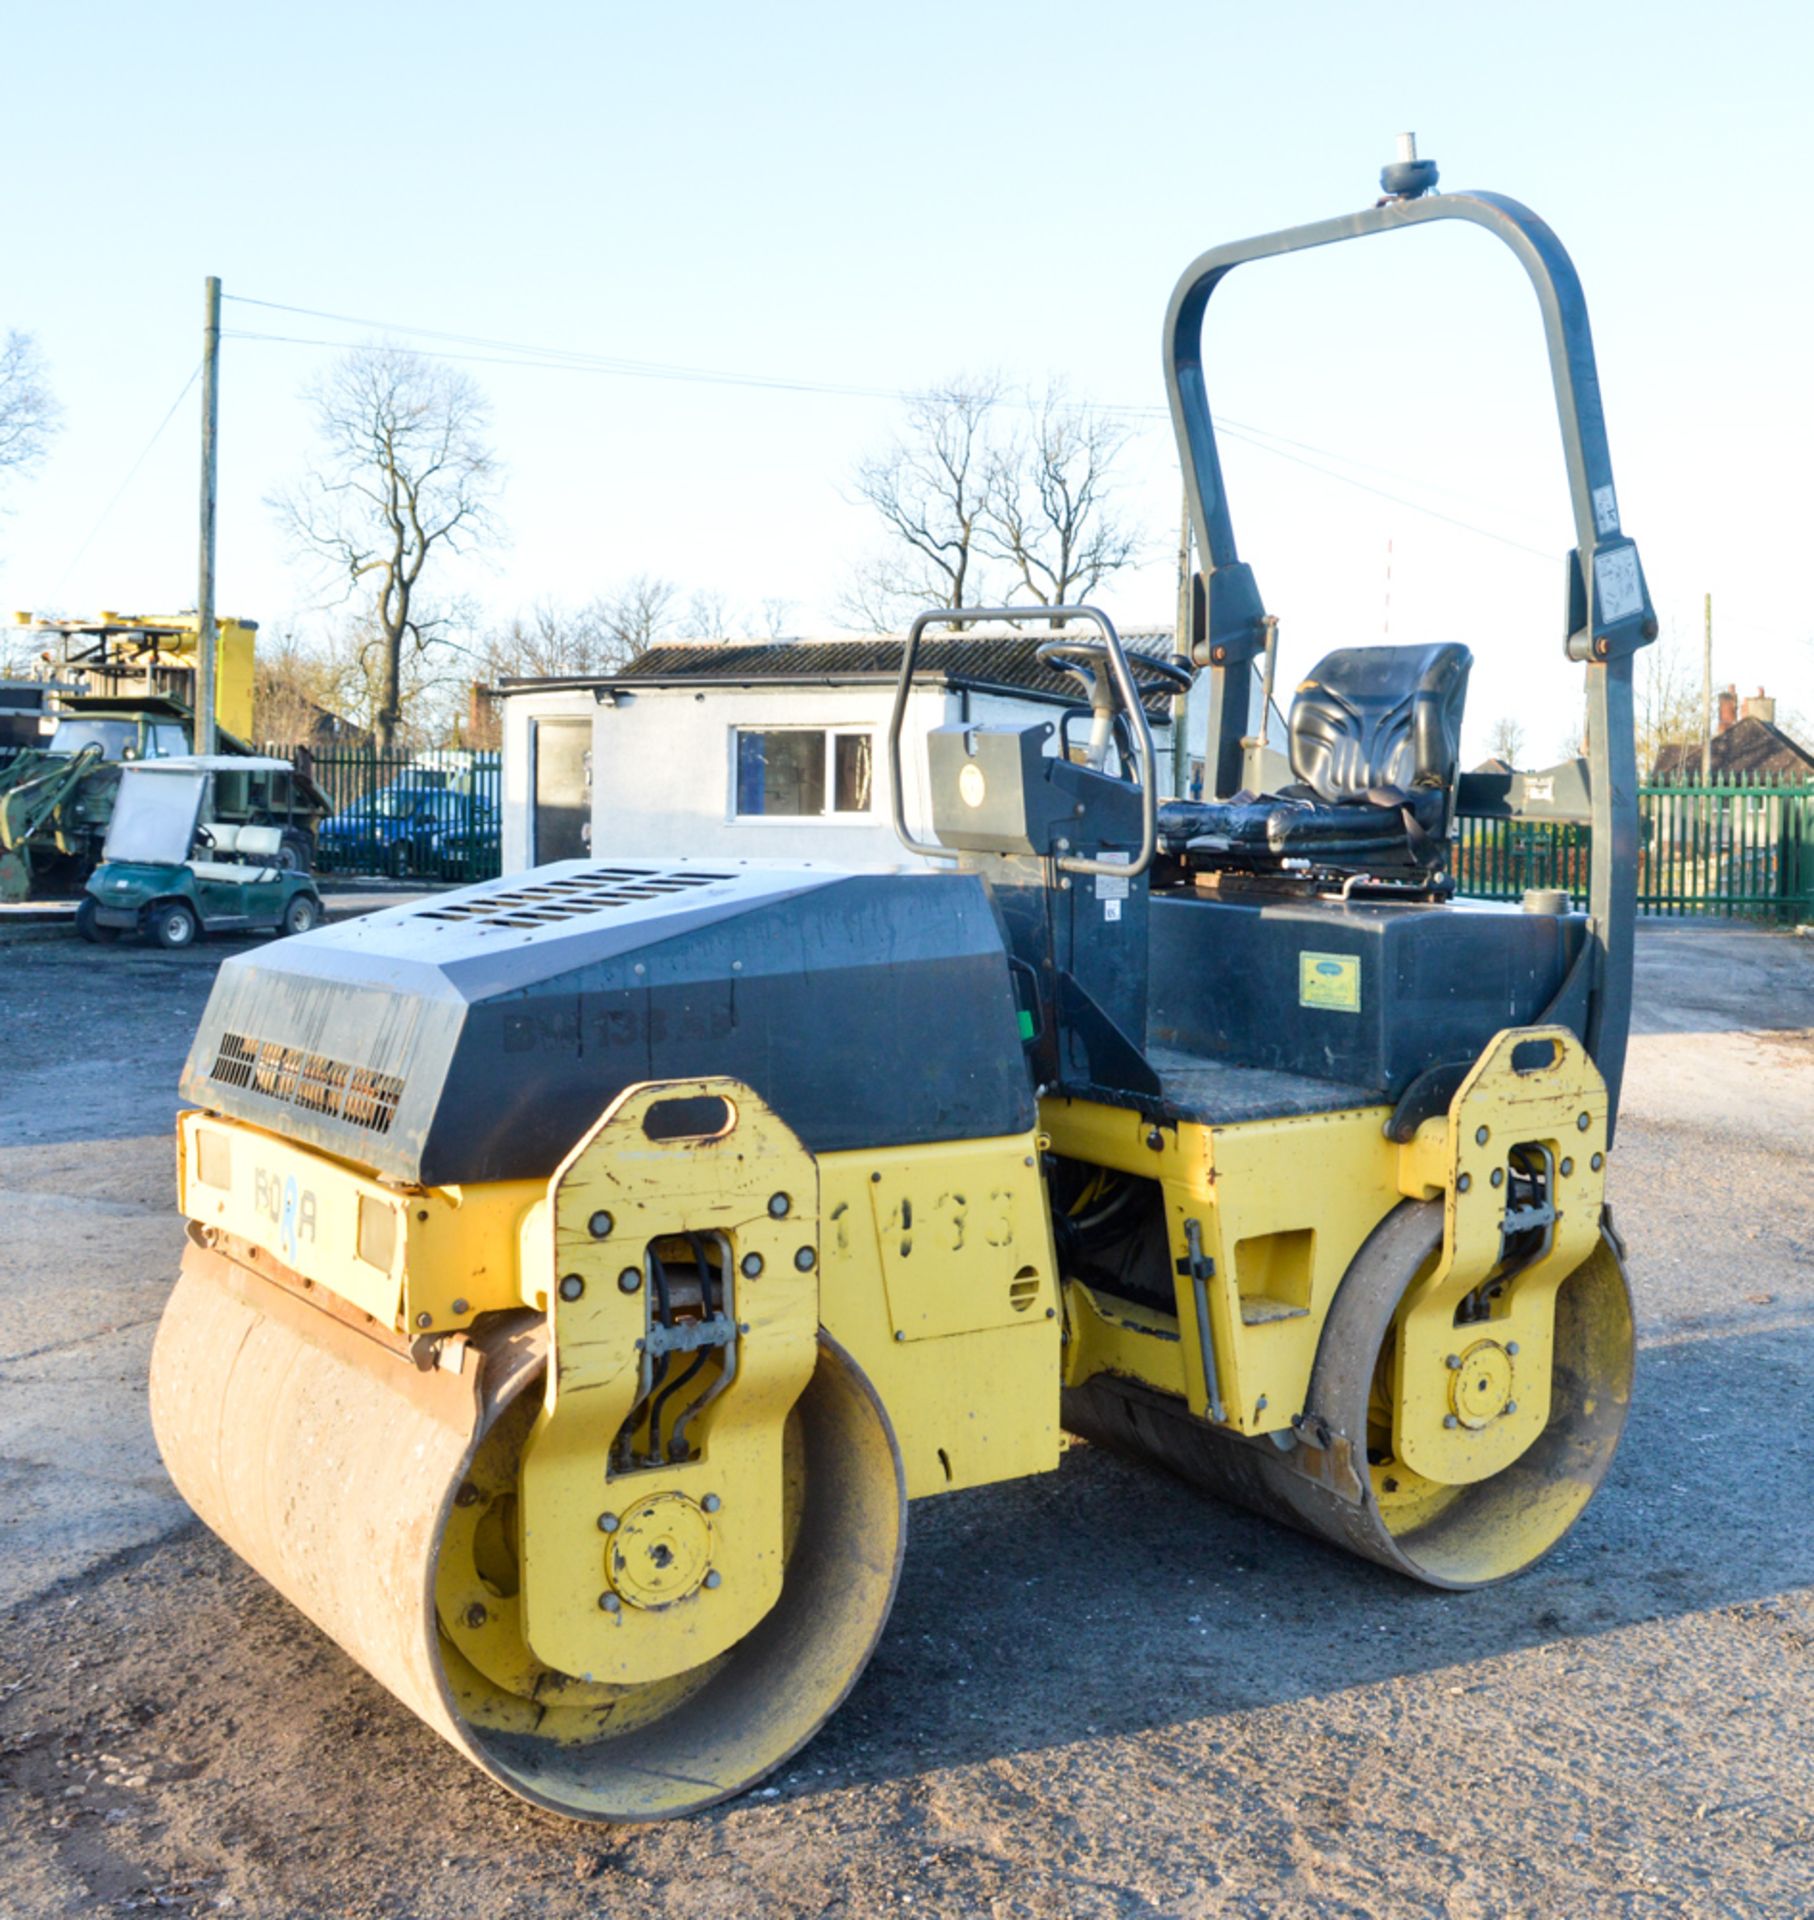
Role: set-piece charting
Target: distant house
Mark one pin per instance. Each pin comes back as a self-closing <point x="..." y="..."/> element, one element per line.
<point x="768" y="749"/>
<point x="1747" y="743"/>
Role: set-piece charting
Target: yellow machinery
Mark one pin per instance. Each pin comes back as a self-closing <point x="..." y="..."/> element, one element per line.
<point x="126" y="654"/>
<point x="586" y="1269"/>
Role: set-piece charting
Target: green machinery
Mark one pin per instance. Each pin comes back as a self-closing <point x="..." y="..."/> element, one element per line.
<point x="56" y="800"/>
<point x="176" y="865"/>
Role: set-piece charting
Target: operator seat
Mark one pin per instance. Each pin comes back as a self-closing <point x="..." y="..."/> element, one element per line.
<point x="1375" y="737"/>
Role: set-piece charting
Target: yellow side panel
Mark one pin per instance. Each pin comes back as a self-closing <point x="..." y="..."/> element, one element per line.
<point x="1121" y="1337"/>
<point x="1281" y="1208"/>
<point x="424" y="1260"/>
<point x="960" y="1333"/>
<point x="962" y="1233"/>
<point x="1293" y="1200"/>
<point x="233" y="677"/>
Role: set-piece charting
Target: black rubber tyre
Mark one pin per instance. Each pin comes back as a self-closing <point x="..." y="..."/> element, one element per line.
<point x="89" y="928"/>
<point x="403" y="860"/>
<point x="171" y="924"/>
<point x="295" y="855"/>
<point x="302" y="915"/>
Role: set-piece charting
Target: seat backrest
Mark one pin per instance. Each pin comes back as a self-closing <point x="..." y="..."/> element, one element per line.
<point x="1372" y="717"/>
<point x="224" y="835"/>
<point x="263" y="843"/>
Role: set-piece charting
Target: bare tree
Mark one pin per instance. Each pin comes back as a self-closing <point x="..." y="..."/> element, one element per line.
<point x="430" y="679"/>
<point x="551" y="641"/>
<point x="640" y="613"/>
<point x="983" y="501"/>
<point x="1506" y="741"/>
<point x="707" y="616"/>
<point x="931" y="490"/>
<point x="1047" y="505"/>
<point x="28" y="410"/>
<point x="296" y="690"/>
<point x="771" y="617"/>
<point x="405" y="475"/>
<point x="1666" y="697"/>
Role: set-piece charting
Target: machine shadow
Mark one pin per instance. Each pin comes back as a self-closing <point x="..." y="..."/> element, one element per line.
<point x="1110" y="1598"/>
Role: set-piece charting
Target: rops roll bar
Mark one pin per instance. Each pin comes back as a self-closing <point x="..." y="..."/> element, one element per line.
<point x="1125" y="691"/>
<point x="1609" y="610"/>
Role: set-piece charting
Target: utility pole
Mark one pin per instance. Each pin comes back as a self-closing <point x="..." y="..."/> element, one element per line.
<point x="207" y="641"/>
<point x="1707" y="692"/>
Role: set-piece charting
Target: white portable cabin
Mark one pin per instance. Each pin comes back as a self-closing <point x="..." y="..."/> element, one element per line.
<point x="771" y="749"/>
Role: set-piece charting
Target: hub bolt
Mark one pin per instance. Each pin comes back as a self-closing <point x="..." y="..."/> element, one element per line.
<point x="1583" y="1121"/>
<point x="780" y="1206"/>
<point x="1499" y="1176"/>
<point x="629" y="1280"/>
<point x="714" y="1578"/>
<point x="1480" y="1136"/>
<point x="609" y="1602"/>
<point x="1511" y="1347"/>
<point x="1464" y="1182"/>
<point x="804" y="1259"/>
<point x="1511" y="1406"/>
<point x="1597" y="1162"/>
<point x="752" y="1265"/>
<point x="460" y="1306"/>
<point x="1449" y="1420"/>
<point x="572" y="1286"/>
<point x="1568" y="1167"/>
<point x="711" y="1503"/>
<point x="1453" y="1363"/>
<point x="425" y="1319"/>
<point x="475" y="1616"/>
<point x="607" y="1523"/>
<point x="600" y="1225"/>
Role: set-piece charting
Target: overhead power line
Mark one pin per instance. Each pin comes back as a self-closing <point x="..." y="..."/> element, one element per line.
<point x="131" y="475"/>
<point x="487" y="350"/>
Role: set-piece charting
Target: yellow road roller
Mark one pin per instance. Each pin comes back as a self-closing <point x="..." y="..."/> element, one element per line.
<point x="586" y="1269"/>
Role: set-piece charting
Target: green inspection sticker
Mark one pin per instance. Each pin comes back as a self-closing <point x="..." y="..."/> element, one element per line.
<point x="1330" y="980"/>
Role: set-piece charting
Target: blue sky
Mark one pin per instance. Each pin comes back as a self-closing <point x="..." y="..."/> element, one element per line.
<point x="882" y="197"/>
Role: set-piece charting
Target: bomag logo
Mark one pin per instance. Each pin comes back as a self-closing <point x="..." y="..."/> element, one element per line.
<point x="288" y="1205"/>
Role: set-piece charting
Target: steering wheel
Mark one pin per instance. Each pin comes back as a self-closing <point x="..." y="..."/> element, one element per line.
<point x="1087" y="661"/>
<point x="205" y="838"/>
<point x="1086" y="658"/>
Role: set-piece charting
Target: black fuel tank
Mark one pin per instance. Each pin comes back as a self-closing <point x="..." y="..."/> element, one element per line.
<point x="1366" y="994"/>
<point x="477" y="1036"/>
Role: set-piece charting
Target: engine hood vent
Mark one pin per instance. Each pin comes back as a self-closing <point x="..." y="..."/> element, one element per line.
<point x="476" y="1037"/>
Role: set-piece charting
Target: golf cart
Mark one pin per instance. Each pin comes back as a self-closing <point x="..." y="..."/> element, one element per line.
<point x="172" y="869"/>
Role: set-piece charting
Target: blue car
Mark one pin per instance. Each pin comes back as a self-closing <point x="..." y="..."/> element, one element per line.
<point x="415" y="825"/>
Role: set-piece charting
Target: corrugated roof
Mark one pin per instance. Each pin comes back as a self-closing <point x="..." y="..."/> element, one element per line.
<point x="1009" y="662"/>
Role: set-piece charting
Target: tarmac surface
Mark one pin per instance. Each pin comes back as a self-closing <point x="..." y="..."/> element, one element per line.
<point x="1101" y="1693"/>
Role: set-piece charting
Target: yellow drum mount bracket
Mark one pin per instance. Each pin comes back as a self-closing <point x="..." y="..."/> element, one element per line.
<point x="679" y="1552"/>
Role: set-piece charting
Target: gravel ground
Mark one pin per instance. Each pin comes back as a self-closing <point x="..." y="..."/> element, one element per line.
<point x="1100" y="1693"/>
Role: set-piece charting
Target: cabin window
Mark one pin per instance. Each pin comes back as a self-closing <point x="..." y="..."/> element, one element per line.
<point x="802" y="773"/>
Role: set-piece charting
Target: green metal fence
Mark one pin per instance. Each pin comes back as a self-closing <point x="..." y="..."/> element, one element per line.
<point x="1737" y="848"/>
<point x="433" y="815"/>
